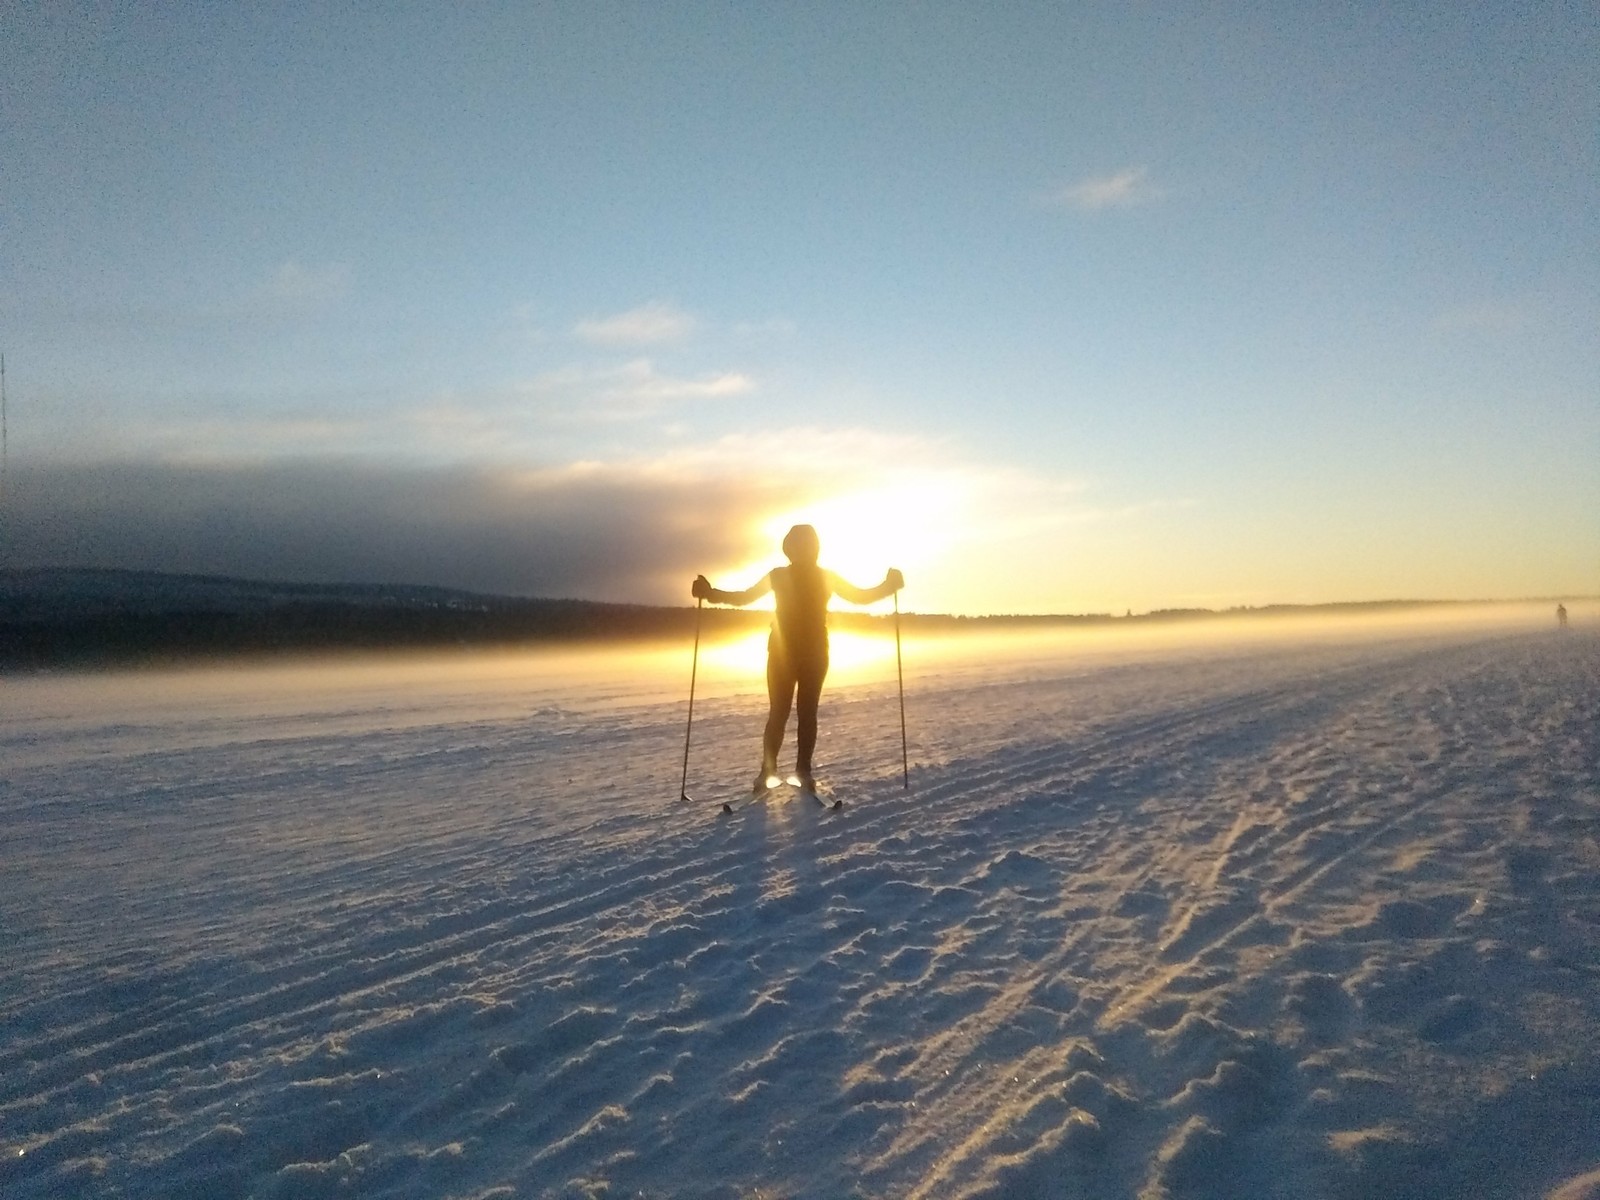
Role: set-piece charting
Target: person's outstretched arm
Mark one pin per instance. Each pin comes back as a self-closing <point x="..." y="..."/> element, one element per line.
<point x="701" y="589"/>
<point x="892" y="582"/>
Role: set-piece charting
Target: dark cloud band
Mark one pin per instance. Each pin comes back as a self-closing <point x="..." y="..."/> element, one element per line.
<point x="605" y="533"/>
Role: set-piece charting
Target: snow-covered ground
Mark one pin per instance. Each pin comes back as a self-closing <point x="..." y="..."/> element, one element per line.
<point x="1272" y="915"/>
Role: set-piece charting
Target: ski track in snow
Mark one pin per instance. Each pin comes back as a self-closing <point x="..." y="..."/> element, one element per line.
<point x="1311" y="920"/>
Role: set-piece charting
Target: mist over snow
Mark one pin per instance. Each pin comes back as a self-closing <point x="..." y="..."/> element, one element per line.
<point x="1290" y="916"/>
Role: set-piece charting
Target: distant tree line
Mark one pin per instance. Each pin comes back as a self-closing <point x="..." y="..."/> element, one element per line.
<point x="97" y="618"/>
<point x="128" y="638"/>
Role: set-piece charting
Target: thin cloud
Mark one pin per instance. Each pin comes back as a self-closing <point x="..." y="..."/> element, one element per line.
<point x="652" y="324"/>
<point x="708" y="387"/>
<point x="827" y="454"/>
<point x="624" y="392"/>
<point x="500" y="424"/>
<point x="1121" y="189"/>
<point x="211" y="432"/>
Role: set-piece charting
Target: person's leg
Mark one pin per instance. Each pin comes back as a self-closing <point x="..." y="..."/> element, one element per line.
<point x="780" y="697"/>
<point x="809" y="685"/>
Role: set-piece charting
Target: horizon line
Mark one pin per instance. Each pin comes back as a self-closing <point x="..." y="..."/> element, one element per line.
<point x="1170" y="611"/>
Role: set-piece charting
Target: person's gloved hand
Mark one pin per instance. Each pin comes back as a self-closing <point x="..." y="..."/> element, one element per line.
<point x="894" y="579"/>
<point x="700" y="588"/>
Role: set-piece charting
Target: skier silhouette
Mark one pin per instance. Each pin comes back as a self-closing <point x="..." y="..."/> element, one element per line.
<point x="1561" y="616"/>
<point x="797" y="649"/>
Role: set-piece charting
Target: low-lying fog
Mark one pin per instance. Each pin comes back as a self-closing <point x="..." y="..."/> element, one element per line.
<point x="350" y="692"/>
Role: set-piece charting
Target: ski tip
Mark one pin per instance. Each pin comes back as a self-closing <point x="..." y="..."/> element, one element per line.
<point x="727" y="808"/>
<point x="836" y="805"/>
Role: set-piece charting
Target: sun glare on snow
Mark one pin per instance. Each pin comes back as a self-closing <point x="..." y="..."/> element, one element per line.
<point x="851" y="656"/>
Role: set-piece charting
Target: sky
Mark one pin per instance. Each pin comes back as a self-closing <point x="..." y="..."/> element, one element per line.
<point x="1058" y="308"/>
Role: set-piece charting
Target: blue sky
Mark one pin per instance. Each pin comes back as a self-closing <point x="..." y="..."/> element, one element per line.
<point x="1057" y="307"/>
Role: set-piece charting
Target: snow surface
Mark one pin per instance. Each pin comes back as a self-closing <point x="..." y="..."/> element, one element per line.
<point x="1277" y="916"/>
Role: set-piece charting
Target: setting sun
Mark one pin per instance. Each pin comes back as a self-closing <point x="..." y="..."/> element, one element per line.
<point x="909" y="524"/>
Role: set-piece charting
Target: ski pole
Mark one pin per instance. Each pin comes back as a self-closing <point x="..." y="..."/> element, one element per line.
<point x="694" y="667"/>
<point x="905" y="760"/>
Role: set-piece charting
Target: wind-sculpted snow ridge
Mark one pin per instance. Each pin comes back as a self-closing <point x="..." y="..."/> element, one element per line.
<point x="1314" y="921"/>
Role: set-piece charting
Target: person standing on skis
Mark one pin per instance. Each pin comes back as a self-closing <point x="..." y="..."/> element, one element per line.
<point x="797" y="649"/>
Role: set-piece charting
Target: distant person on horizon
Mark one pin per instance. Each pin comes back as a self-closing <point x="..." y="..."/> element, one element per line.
<point x="1561" y="616"/>
<point x="797" y="649"/>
